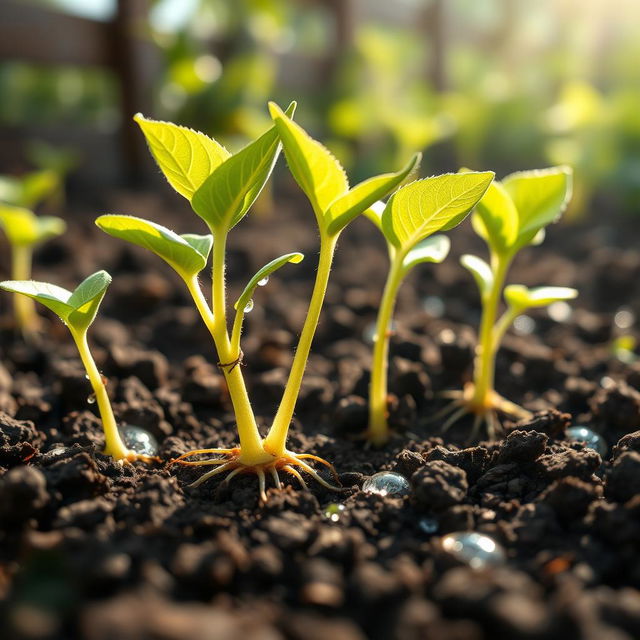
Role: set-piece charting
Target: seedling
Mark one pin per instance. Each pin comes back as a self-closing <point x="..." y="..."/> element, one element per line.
<point x="407" y="222"/>
<point x="512" y="215"/>
<point x="31" y="189"/>
<point x="221" y="188"/>
<point x="25" y="231"/>
<point x="78" y="310"/>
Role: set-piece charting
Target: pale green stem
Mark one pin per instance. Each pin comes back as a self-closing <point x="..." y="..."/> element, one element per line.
<point x="378" y="433"/>
<point x="485" y="362"/>
<point x="114" y="446"/>
<point x="506" y="320"/>
<point x="276" y="439"/>
<point x="27" y="319"/>
<point x="252" y="450"/>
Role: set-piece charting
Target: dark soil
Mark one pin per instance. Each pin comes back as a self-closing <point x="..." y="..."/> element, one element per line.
<point x="90" y="549"/>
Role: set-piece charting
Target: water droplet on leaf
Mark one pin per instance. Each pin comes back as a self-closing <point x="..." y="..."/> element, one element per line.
<point x="248" y="307"/>
<point x="591" y="439"/>
<point x="139" y="440"/>
<point x="475" y="549"/>
<point x="263" y="282"/>
<point x="334" y="511"/>
<point x="387" y="483"/>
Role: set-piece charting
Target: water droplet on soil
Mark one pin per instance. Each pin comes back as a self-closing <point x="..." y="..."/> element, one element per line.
<point x="591" y="439"/>
<point x="387" y="483"/>
<point x="434" y="306"/>
<point x="475" y="549"/>
<point x="428" y="525"/>
<point x="524" y="325"/>
<point x="263" y="282"/>
<point x="248" y="307"/>
<point x="139" y="440"/>
<point x="334" y="511"/>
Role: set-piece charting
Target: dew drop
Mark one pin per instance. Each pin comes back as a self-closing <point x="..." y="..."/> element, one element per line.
<point x="387" y="483"/>
<point x="434" y="306"/>
<point x="334" y="511"/>
<point x="475" y="549"/>
<point x="91" y="399"/>
<point x="248" y="307"/>
<point x="524" y="325"/>
<point x="139" y="440"/>
<point x="591" y="439"/>
<point x="428" y="525"/>
<point x="263" y="282"/>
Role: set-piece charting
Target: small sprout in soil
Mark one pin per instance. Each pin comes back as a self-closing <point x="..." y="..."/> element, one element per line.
<point x="25" y="231"/>
<point x="221" y="189"/>
<point x="387" y="483"/>
<point x="477" y="550"/>
<point x="31" y="189"/>
<point x="512" y="214"/>
<point x="78" y="310"/>
<point x="408" y="221"/>
<point x="334" y="511"/>
<point x="590" y="438"/>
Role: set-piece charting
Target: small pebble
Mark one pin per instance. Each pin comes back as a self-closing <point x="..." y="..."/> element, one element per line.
<point x="475" y="549"/>
<point x="591" y="439"/>
<point x="139" y="440"/>
<point x="334" y="511"/>
<point x="387" y="483"/>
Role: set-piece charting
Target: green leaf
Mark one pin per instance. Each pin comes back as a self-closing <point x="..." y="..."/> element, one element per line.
<point x="187" y="254"/>
<point x="186" y="157"/>
<point x="496" y="218"/>
<point x="78" y="309"/>
<point x="431" y="249"/>
<point x="439" y="203"/>
<point x="540" y="198"/>
<point x="481" y="272"/>
<point x="24" y="228"/>
<point x="263" y="273"/>
<point x="314" y="168"/>
<point x="374" y="213"/>
<point x="358" y="199"/>
<point x="226" y="195"/>
<point x="37" y="187"/>
<point x="520" y="297"/>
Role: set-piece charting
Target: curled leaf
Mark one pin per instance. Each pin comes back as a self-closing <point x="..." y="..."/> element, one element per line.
<point x="431" y="249"/>
<point x="186" y="254"/>
<point x="519" y="297"/>
<point x="481" y="272"/>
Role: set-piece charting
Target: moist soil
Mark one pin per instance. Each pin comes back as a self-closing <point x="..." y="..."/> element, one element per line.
<point x="94" y="550"/>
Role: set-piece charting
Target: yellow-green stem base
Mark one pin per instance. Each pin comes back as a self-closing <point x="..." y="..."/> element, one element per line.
<point x="485" y="412"/>
<point x="231" y="462"/>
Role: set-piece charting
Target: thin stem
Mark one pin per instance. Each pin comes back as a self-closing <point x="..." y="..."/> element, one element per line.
<point x="506" y="320"/>
<point x="485" y="362"/>
<point x="114" y="446"/>
<point x="378" y="433"/>
<point x="27" y="319"/>
<point x="252" y="451"/>
<point x="276" y="439"/>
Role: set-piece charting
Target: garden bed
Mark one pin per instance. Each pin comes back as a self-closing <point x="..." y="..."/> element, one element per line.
<point x="91" y="549"/>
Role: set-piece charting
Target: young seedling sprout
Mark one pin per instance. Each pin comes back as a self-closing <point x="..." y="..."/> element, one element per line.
<point x="407" y="222"/>
<point x="24" y="231"/>
<point x="78" y="310"/>
<point x="221" y="188"/>
<point x="512" y="215"/>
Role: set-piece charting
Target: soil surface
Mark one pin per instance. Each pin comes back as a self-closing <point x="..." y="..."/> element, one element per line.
<point x="93" y="550"/>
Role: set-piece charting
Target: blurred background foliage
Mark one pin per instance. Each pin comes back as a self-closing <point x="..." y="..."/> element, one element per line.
<point x="498" y="84"/>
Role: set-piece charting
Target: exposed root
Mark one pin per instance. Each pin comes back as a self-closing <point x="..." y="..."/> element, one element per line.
<point x="462" y="404"/>
<point x="230" y="463"/>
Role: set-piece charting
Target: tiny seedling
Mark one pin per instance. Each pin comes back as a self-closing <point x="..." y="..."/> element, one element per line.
<point x="407" y="222"/>
<point x="221" y="188"/>
<point x="512" y="215"/>
<point x="78" y="310"/>
<point x="31" y="189"/>
<point x="24" y="231"/>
